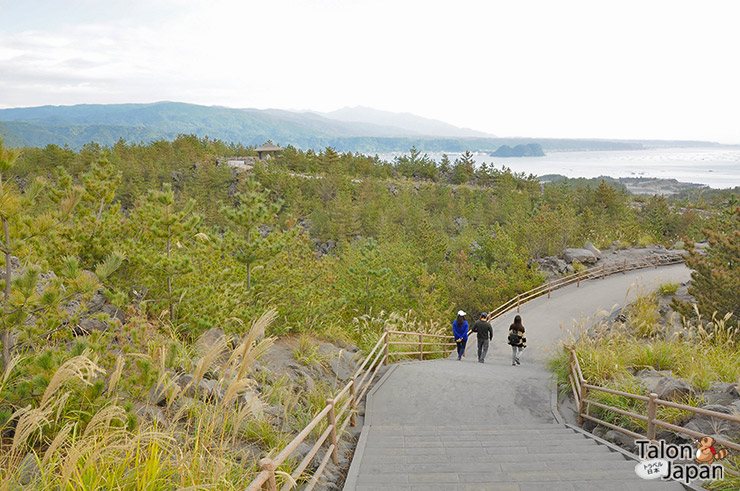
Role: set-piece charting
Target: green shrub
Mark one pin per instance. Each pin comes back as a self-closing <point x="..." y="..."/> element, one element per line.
<point x="668" y="289"/>
<point x="578" y="267"/>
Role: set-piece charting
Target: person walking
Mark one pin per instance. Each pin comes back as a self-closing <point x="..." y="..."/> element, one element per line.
<point x="485" y="334"/>
<point x="517" y="340"/>
<point x="460" y="331"/>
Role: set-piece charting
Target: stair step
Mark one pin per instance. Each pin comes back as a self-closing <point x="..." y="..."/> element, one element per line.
<point x="616" y="485"/>
<point x="391" y="468"/>
<point x="626" y="476"/>
<point x="537" y="457"/>
<point x="595" y="453"/>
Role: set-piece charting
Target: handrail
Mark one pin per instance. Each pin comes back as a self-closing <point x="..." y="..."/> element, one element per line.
<point x="420" y="343"/>
<point x="265" y="479"/>
<point x="653" y="402"/>
<point x="577" y="277"/>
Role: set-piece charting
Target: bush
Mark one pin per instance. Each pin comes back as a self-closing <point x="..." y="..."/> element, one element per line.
<point x="668" y="289"/>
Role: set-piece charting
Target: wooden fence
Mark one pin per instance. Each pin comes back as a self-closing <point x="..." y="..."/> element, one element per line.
<point x="443" y="341"/>
<point x="577" y="278"/>
<point x="348" y="398"/>
<point x="581" y="388"/>
<point x="337" y="420"/>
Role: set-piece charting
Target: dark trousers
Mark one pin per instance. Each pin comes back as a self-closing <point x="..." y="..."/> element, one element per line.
<point x="482" y="349"/>
<point x="461" y="347"/>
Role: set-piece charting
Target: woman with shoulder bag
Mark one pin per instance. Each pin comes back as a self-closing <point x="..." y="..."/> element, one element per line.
<point x="517" y="340"/>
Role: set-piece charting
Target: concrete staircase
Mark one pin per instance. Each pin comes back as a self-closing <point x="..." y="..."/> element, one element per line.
<point x="547" y="457"/>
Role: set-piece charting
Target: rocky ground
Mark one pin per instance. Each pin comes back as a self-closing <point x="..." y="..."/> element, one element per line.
<point x="650" y="186"/>
<point x="591" y="257"/>
<point x="332" y="366"/>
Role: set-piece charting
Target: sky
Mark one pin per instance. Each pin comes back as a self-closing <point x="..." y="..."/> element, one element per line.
<point x="649" y="69"/>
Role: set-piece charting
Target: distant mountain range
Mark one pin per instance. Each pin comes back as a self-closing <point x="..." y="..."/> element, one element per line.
<point x="357" y="129"/>
<point x="413" y="125"/>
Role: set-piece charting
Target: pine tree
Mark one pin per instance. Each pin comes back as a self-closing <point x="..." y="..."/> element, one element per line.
<point x="432" y="245"/>
<point x="464" y="168"/>
<point x="20" y="230"/>
<point x="253" y="208"/>
<point x="366" y="276"/>
<point x="97" y="220"/>
<point x="444" y="165"/>
<point x="163" y="234"/>
<point x="716" y="277"/>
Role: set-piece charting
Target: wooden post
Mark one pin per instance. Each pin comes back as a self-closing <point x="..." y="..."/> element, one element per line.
<point x="652" y="411"/>
<point x="549" y="288"/>
<point x="268" y="465"/>
<point x="624" y="268"/>
<point x="517" y="302"/>
<point x="656" y="262"/>
<point x="603" y="271"/>
<point x="353" y="404"/>
<point x="385" y="349"/>
<point x="331" y="418"/>
<point x="578" y="285"/>
<point x="581" y="402"/>
<point x="421" y="346"/>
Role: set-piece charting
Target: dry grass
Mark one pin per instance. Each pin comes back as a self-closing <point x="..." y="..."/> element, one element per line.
<point x="700" y="353"/>
<point x="203" y="445"/>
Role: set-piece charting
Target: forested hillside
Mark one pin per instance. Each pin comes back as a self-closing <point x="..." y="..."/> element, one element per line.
<point x="348" y="130"/>
<point x="167" y="242"/>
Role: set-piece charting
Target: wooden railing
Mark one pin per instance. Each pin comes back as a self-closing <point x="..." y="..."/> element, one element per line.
<point x="443" y="341"/>
<point x="581" y="388"/>
<point x="348" y="398"/>
<point x="577" y="278"/>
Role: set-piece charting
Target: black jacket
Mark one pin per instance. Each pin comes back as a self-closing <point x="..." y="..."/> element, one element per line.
<point x="483" y="329"/>
<point x="523" y="337"/>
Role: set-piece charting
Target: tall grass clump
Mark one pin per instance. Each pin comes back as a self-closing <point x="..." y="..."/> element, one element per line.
<point x="211" y="438"/>
<point x="308" y="353"/>
<point x="700" y="352"/>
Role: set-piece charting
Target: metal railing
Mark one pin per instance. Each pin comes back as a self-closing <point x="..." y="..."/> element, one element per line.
<point x="348" y="398"/>
<point x="581" y="388"/>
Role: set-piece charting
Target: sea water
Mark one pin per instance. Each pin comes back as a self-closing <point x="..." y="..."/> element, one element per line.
<point x="716" y="167"/>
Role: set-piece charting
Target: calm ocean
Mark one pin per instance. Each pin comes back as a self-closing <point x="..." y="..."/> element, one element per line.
<point x="716" y="167"/>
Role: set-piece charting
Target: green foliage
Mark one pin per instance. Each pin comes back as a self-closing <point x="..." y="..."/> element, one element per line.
<point x="244" y="240"/>
<point x="463" y="169"/>
<point x="164" y="239"/>
<point x="668" y="288"/>
<point x="366" y="281"/>
<point x="716" y="276"/>
<point x="416" y="165"/>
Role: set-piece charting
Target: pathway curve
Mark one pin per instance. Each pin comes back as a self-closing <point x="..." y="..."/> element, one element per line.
<point x="445" y="424"/>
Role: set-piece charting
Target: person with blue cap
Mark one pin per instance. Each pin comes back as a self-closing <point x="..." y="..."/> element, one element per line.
<point x="460" y="332"/>
<point x="485" y="334"/>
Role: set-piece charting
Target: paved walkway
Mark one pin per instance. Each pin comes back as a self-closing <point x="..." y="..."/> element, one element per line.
<point x="445" y="424"/>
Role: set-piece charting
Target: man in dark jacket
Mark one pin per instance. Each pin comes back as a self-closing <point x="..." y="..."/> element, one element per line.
<point x="485" y="334"/>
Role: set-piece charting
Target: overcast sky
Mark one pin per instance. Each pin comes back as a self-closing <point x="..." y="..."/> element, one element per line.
<point x="594" y="68"/>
